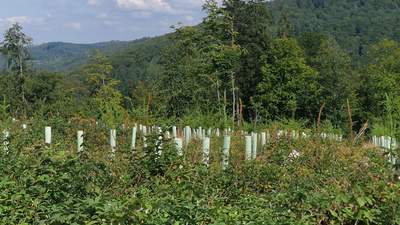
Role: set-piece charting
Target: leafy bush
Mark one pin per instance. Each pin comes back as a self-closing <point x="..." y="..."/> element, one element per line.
<point x="329" y="183"/>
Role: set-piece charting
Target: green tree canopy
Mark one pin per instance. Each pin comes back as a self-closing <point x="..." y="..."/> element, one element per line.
<point x="382" y="76"/>
<point x="289" y="87"/>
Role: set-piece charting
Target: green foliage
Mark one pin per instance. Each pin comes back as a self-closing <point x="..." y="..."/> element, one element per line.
<point x="389" y="125"/>
<point x="157" y="158"/>
<point x="252" y="22"/>
<point x="328" y="127"/>
<point x="392" y="108"/>
<point x="49" y="188"/>
<point x="379" y="129"/>
<point x="14" y="48"/>
<point x="338" y="81"/>
<point x="108" y="103"/>
<point x="198" y="119"/>
<point x="107" y="100"/>
<point x="382" y="76"/>
<point x="290" y="124"/>
<point x="354" y="24"/>
<point x="138" y="63"/>
<point x="97" y="72"/>
<point x="4" y="110"/>
<point x="64" y="57"/>
<point x="183" y="86"/>
<point x="217" y="67"/>
<point x="232" y="65"/>
<point x="289" y="87"/>
<point x="43" y="91"/>
<point x="330" y="183"/>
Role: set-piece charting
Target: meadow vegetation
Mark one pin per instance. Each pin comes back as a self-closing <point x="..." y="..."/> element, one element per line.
<point x="240" y="69"/>
<point x="330" y="183"/>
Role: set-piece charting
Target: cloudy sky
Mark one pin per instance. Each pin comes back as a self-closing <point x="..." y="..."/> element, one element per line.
<point x="88" y="21"/>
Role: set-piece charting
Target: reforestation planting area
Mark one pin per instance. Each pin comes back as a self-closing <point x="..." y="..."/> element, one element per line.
<point x="266" y="112"/>
<point x="329" y="182"/>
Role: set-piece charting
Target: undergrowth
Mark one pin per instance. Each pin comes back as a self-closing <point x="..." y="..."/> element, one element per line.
<point x="329" y="183"/>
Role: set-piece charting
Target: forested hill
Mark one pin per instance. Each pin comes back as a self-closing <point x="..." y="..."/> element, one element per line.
<point x="249" y="60"/>
<point x="61" y="56"/>
<point x="354" y="23"/>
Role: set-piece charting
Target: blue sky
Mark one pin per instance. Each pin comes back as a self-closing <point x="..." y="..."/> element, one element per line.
<point x="88" y="21"/>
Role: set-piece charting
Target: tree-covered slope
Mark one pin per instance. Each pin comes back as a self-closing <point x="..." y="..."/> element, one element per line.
<point x="354" y="23"/>
<point x="59" y="56"/>
<point x="138" y="62"/>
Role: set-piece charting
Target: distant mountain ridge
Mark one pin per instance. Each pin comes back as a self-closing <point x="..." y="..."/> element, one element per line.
<point x="63" y="56"/>
<point x="355" y="24"/>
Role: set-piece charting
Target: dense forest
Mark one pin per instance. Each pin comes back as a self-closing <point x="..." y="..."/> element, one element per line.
<point x="354" y="24"/>
<point x="316" y="80"/>
<point x="248" y="61"/>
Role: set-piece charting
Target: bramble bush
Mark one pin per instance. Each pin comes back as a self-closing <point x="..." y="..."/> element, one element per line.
<point x="329" y="183"/>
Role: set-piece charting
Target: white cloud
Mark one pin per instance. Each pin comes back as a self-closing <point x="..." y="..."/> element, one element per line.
<point x="102" y="16"/>
<point x="145" y="5"/>
<point x="189" y="18"/>
<point x="73" y="25"/>
<point x="111" y="22"/>
<point x="18" y="19"/>
<point x="194" y="4"/>
<point x="22" y="20"/>
<point x="93" y="2"/>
